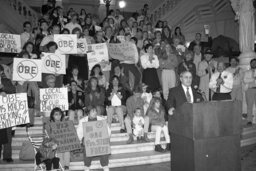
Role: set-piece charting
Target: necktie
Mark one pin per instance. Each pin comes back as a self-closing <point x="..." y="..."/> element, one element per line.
<point x="188" y="95"/>
<point x="218" y="88"/>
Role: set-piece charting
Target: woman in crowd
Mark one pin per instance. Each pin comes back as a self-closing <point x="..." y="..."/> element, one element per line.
<point x="75" y="100"/>
<point x="95" y="96"/>
<point x="149" y="63"/>
<point x="178" y="33"/>
<point x="97" y="72"/>
<point x="115" y="100"/>
<point x="29" y="47"/>
<point x="75" y="76"/>
<point x="167" y="35"/>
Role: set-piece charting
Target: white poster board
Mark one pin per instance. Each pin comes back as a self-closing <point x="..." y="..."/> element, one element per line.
<point x="27" y="69"/>
<point x="67" y="43"/>
<point x="82" y="46"/>
<point x="10" y="43"/>
<point x="53" y="63"/>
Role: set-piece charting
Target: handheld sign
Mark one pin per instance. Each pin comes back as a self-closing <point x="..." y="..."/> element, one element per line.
<point x="10" y="43"/>
<point x="98" y="55"/>
<point x="27" y="69"/>
<point x="82" y="46"/>
<point x="53" y="63"/>
<point x="67" y="43"/>
<point x="96" y="138"/>
<point x="13" y="110"/>
<point x="53" y="97"/>
<point x="65" y="134"/>
<point x="125" y="51"/>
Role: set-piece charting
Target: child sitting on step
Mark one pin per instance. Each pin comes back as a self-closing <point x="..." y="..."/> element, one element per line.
<point x="92" y="116"/>
<point x="47" y="154"/>
<point x="156" y="113"/>
<point x="138" y="122"/>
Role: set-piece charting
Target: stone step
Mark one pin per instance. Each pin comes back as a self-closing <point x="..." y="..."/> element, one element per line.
<point x="116" y="148"/>
<point x="116" y="160"/>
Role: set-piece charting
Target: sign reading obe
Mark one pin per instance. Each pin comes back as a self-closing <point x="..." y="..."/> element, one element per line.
<point x="27" y="69"/>
<point x="67" y="43"/>
<point x="53" y="63"/>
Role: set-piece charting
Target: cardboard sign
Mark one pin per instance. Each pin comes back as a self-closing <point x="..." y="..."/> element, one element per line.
<point x="125" y="51"/>
<point x="13" y="110"/>
<point x="65" y="134"/>
<point x="98" y="55"/>
<point x="53" y="63"/>
<point x="27" y="69"/>
<point x="10" y="43"/>
<point x="82" y="46"/>
<point x="67" y="43"/>
<point x="96" y="138"/>
<point x="53" y="97"/>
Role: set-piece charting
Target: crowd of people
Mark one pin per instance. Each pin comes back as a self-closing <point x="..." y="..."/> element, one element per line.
<point x="134" y="94"/>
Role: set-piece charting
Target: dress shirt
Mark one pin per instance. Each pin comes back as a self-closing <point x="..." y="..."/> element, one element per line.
<point x="238" y="77"/>
<point x="190" y="92"/>
<point x="145" y="63"/>
<point x="227" y="86"/>
<point x="249" y="79"/>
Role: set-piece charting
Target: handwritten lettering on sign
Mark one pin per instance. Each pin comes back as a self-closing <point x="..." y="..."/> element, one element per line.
<point x="13" y="110"/>
<point x="10" y="43"/>
<point x="53" y="97"/>
<point x="96" y="138"/>
<point x="66" y="136"/>
<point x="125" y="51"/>
<point x="82" y="46"/>
<point x="54" y="63"/>
<point x="27" y="69"/>
<point x="67" y="43"/>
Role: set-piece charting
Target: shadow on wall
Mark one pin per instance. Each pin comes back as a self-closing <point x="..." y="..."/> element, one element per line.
<point x="4" y="28"/>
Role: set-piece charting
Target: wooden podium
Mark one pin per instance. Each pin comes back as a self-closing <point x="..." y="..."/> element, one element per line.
<point x="206" y="136"/>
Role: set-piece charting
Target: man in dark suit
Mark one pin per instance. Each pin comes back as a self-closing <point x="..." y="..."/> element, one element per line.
<point x="182" y="93"/>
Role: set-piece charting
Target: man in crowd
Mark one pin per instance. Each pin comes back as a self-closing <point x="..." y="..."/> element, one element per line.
<point x="221" y="83"/>
<point x="27" y="34"/>
<point x="250" y="90"/>
<point x="198" y="41"/>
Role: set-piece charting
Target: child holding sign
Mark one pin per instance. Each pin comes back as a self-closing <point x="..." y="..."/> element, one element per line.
<point x="104" y="159"/>
<point x="58" y="116"/>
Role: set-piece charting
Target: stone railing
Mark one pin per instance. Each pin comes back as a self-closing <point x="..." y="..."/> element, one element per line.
<point x="163" y="9"/>
<point x="24" y="10"/>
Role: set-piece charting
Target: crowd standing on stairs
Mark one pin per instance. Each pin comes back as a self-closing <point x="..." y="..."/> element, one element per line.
<point x="134" y="94"/>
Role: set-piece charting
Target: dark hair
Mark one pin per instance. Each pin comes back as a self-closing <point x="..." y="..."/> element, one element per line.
<point x="235" y="58"/>
<point x="50" y="44"/>
<point x="56" y="109"/>
<point x="65" y="29"/>
<point x="95" y="66"/>
<point x="89" y="88"/>
<point x="1" y="68"/>
<point x="153" y="102"/>
<point x="175" y="31"/>
<point x="110" y="11"/>
<point x="73" y="81"/>
<point x="137" y="89"/>
<point x="199" y="34"/>
<point x="253" y="60"/>
<point x="43" y="21"/>
<point x="111" y="82"/>
<point x="82" y="11"/>
<point x="28" y="43"/>
<point x="76" y="29"/>
<point x="147" y="46"/>
<point x="25" y="23"/>
<point x="137" y="108"/>
<point x="24" y="53"/>
<point x="135" y="39"/>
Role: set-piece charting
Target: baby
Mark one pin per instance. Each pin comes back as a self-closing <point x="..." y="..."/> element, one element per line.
<point x="138" y="122"/>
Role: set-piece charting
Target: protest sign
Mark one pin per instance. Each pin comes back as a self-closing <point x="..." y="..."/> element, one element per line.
<point x="67" y="43"/>
<point x="96" y="138"/>
<point x="125" y="51"/>
<point x="98" y="55"/>
<point x="27" y="69"/>
<point x="13" y="110"/>
<point x="82" y="46"/>
<point x="53" y="63"/>
<point x="10" y="43"/>
<point x="65" y="134"/>
<point x="53" y="97"/>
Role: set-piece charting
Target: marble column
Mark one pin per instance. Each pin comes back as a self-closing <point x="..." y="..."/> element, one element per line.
<point x="245" y="14"/>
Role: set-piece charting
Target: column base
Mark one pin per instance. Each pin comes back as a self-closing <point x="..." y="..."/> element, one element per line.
<point x="245" y="59"/>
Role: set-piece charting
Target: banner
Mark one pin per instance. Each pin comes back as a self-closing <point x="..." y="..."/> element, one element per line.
<point x="67" y="43"/>
<point x="82" y="46"/>
<point x="96" y="138"/>
<point x="53" y="97"/>
<point x="13" y="110"/>
<point x="10" y="43"/>
<point x="98" y="55"/>
<point x="27" y="69"/>
<point x="53" y="63"/>
<point x="125" y="51"/>
<point x="65" y="134"/>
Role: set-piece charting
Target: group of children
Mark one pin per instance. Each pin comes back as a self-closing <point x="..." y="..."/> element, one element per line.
<point x="47" y="152"/>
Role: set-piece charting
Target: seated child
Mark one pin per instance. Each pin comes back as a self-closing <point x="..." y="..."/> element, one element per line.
<point x="92" y="116"/>
<point x="138" y="122"/>
<point x="146" y="96"/>
<point x="156" y="115"/>
<point x="46" y="154"/>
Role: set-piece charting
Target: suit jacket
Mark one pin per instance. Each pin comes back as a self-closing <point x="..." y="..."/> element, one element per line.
<point x="177" y="97"/>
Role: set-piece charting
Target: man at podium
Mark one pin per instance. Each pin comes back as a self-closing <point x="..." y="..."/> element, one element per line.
<point x="182" y="93"/>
